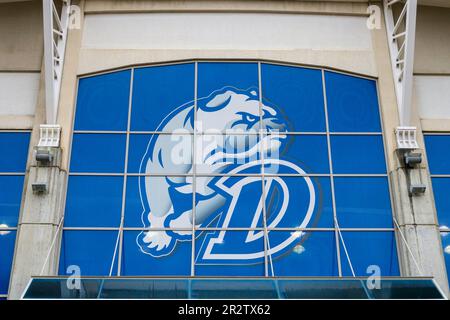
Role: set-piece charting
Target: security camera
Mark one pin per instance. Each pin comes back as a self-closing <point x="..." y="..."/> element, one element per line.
<point x="417" y="189"/>
<point x="412" y="159"/>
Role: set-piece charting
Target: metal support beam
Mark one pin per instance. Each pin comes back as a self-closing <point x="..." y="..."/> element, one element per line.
<point x="401" y="32"/>
<point x="55" y="35"/>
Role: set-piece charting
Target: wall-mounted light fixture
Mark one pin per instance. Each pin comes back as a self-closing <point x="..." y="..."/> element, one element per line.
<point x="412" y="159"/>
<point x="43" y="156"/>
<point x="417" y="189"/>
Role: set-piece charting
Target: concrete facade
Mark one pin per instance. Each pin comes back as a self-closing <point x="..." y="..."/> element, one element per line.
<point x="22" y="46"/>
<point x="38" y="241"/>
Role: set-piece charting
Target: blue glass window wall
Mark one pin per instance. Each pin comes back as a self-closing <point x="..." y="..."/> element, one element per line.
<point x="227" y="169"/>
<point x="438" y="150"/>
<point x="12" y="174"/>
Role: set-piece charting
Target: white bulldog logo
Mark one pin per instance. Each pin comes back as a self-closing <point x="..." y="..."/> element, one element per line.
<point x="167" y="201"/>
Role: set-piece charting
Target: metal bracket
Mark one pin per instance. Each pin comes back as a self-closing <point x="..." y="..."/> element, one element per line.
<point x="401" y="31"/>
<point x="49" y="135"/>
<point x="406" y="138"/>
<point x="55" y="35"/>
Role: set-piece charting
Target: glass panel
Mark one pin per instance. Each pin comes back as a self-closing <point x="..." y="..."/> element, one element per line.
<point x="441" y="188"/>
<point x="298" y="202"/>
<point x="94" y="201"/>
<point x="7" y="241"/>
<point x="299" y="154"/>
<point x="160" y="154"/>
<point x="446" y="248"/>
<point x="298" y="95"/>
<point x="14" y="146"/>
<point x="55" y="288"/>
<point x="358" y="154"/>
<point x="134" y="206"/>
<point x="156" y="105"/>
<point x="156" y="253"/>
<point x="233" y="202"/>
<point x="297" y="253"/>
<point x="438" y="152"/>
<point x="228" y="97"/>
<point x="229" y="253"/>
<point x="233" y="289"/>
<point x="145" y="289"/>
<point x="159" y="202"/>
<point x="11" y="188"/>
<point x="214" y="76"/>
<point x="228" y="154"/>
<point x="98" y="153"/>
<point x="363" y="202"/>
<point x="91" y="251"/>
<point x="103" y="102"/>
<point x="322" y="289"/>
<point x="352" y="103"/>
<point x="376" y="249"/>
<point x="404" y="289"/>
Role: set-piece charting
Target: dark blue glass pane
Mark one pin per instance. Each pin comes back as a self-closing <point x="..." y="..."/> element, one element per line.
<point x="134" y="207"/>
<point x="298" y="95"/>
<point x="446" y="248"/>
<point x="163" y="98"/>
<point x="160" y="154"/>
<point x="363" y="202"/>
<point x="137" y="261"/>
<point x="438" y="153"/>
<point x="370" y="249"/>
<point x="214" y="76"/>
<point x="159" y="196"/>
<point x="358" y="154"/>
<point x="229" y="202"/>
<point x="11" y="188"/>
<point x="307" y="152"/>
<point x="91" y="251"/>
<point x="103" y="102"/>
<point x="229" y="99"/>
<point x="229" y="253"/>
<point x="7" y="241"/>
<point x="234" y="289"/>
<point x="310" y="254"/>
<point x="14" y="146"/>
<point x="234" y="154"/>
<point x="94" y="201"/>
<point x="352" y="103"/>
<point x="294" y="202"/>
<point x="441" y="189"/>
<point x="98" y="153"/>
